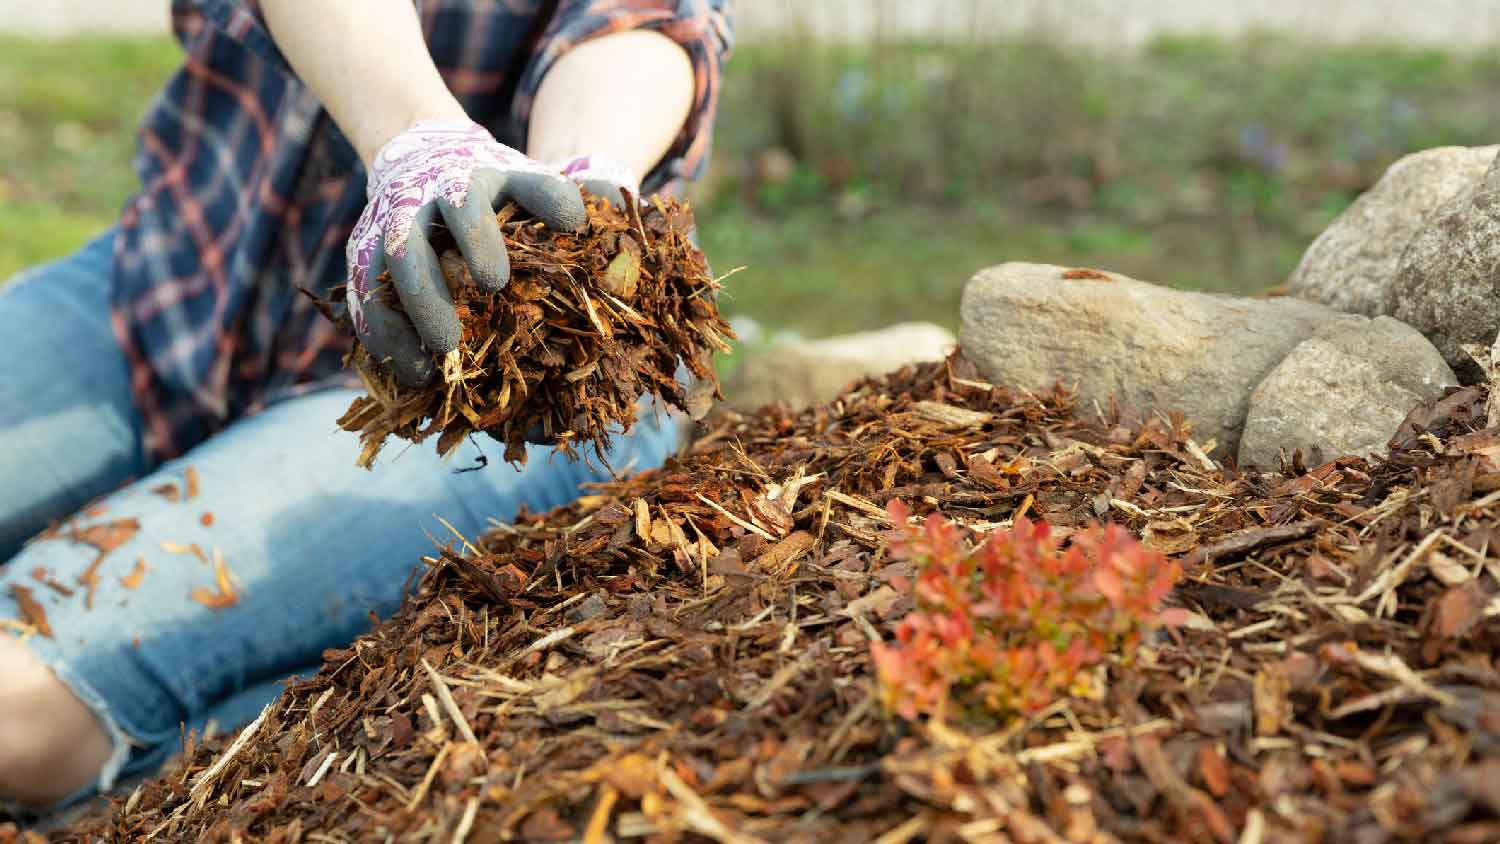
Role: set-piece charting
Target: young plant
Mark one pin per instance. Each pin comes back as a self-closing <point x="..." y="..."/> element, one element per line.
<point x="1013" y="622"/>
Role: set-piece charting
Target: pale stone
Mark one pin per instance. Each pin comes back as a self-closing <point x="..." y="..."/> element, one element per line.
<point x="802" y="372"/>
<point x="1151" y="348"/>
<point x="1343" y="391"/>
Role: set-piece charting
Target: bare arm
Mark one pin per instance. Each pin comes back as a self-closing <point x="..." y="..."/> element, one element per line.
<point x="625" y="96"/>
<point x="618" y="100"/>
<point x="366" y="61"/>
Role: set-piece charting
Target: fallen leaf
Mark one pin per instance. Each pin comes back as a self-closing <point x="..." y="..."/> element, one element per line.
<point x="207" y="519"/>
<point x="168" y="491"/>
<point x="192" y="483"/>
<point x="1084" y="274"/>
<point x="32" y="612"/>
<point x="44" y="577"/>
<point x="1451" y="617"/>
<point x="108" y="536"/>
<point x="137" y="574"/>
<point x="178" y="548"/>
<point x="223" y="594"/>
<point x="624" y="272"/>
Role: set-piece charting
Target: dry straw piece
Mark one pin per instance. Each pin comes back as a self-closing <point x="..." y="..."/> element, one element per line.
<point x="589" y="323"/>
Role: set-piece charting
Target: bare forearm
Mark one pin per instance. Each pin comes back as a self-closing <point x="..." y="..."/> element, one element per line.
<point x="366" y="61"/>
<point x="624" y="96"/>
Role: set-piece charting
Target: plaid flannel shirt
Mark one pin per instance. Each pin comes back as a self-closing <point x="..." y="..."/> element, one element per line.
<point x="249" y="192"/>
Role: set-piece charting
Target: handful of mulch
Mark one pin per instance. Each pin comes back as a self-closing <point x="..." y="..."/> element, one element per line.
<point x="589" y="323"/>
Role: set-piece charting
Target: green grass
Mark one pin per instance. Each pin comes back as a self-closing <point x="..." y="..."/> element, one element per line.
<point x="67" y="116"/>
<point x="807" y="271"/>
<point x="1196" y="163"/>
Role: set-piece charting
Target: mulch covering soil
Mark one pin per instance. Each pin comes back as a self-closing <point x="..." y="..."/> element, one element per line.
<point x="683" y="656"/>
<point x="588" y="323"/>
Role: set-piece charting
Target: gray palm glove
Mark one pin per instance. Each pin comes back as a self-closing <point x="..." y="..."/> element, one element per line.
<point x="459" y="173"/>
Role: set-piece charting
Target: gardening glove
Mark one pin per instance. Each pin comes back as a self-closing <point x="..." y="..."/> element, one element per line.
<point x="457" y="172"/>
<point x="602" y="176"/>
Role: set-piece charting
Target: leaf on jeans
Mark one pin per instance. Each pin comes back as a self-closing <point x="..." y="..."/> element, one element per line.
<point x="137" y="574"/>
<point x="178" y="548"/>
<point x="44" y="577"/>
<point x="223" y="594"/>
<point x="32" y="612"/>
<point x="108" y="536"/>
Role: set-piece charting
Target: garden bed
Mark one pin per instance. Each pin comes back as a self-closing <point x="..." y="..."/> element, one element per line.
<point x="685" y="655"/>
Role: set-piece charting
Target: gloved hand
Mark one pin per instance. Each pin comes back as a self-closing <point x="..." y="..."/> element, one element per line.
<point x="460" y="172"/>
<point x="602" y="176"/>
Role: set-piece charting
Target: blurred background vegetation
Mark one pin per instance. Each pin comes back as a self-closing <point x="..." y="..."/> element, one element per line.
<point x="862" y="185"/>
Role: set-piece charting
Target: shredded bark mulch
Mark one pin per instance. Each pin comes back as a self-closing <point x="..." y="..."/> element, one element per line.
<point x="683" y="656"/>
<point x="588" y="324"/>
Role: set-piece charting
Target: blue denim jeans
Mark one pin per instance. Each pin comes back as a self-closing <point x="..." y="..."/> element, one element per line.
<point x="314" y="544"/>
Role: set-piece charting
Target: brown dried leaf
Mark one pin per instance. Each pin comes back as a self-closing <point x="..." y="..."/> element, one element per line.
<point x="137" y="574"/>
<point x="623" y="274"/>
<point x="1085" y="274"/>
<point x="223" y="594"/>
<point x="106" y="537"/>
<point x="32" y="611"/>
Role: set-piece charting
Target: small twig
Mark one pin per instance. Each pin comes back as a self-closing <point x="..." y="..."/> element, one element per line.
<point x="421" y="792"/>
<point x="449" y="704"/>
<point x="758" y="531"/>
<point x="317" y="777"/>
<point x="206" y="780"/>
<point x="466" y="823"/>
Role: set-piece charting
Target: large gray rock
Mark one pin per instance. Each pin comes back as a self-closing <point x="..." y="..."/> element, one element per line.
<point x="1153" y="348"/>
<point x="1448" y="283"/>
<point x="1342" y="391"/>
<point x="1353" y="263"/>
<point x="801" y="372"/>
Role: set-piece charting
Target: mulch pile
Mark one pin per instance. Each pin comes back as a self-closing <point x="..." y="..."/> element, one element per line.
<point x="588" y="323"/>
<point x="683" y="656"/>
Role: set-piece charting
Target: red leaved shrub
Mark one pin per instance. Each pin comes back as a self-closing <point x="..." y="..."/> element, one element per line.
<point x="1014" y="621"/>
